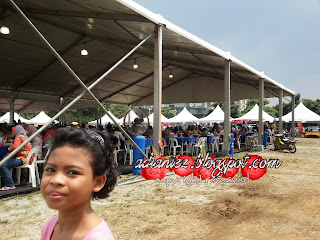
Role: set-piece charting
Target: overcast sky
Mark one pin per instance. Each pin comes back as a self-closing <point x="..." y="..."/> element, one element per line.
<point x="279" y="37"/>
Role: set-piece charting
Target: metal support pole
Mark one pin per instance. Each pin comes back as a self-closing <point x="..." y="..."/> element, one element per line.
<point x="293" y="105"/>
<point x="13" y="153"/>
<point x="280" y="128"/>
<point x="11" y="102"/>
<point x="261" y="104"/>
<point x="157" y="99"/>
<point x="60" y="107"/>
<point x="227" y="124"/>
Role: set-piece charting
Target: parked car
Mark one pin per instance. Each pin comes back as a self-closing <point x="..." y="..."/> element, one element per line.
<point x="312" y="131"/>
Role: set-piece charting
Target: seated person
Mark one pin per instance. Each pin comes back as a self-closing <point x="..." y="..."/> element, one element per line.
<point x="20" y="158"/>
<point x="113" y="139"/>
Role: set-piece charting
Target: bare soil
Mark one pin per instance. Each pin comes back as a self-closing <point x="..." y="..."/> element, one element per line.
<point x="283" y="204"/>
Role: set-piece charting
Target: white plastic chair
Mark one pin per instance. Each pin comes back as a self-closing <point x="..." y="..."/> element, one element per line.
<point x="215" y="143"/>
<point x="41" y="162"/>
<point x="202" y="141"/>
<point x="165" y="146"/>
<point x="173" y="145"/>
<point x="32" y="175"/>
<point x="128" y="146"/>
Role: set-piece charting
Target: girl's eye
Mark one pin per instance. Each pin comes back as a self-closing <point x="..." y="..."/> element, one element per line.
<point x="73" y="173"/>
<point x="49" y="170"/>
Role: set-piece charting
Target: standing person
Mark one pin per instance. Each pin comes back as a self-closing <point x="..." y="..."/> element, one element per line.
<point x="20" y="158"/>
<point x="78" y="158"/>
<point x="36" y="141"/>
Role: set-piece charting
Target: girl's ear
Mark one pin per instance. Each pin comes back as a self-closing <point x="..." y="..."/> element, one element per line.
<point x="99" y="183"/>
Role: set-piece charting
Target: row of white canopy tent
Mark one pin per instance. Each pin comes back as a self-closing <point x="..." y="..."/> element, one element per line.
<point x="41" y="119"/>
<point x="217" y="115"/>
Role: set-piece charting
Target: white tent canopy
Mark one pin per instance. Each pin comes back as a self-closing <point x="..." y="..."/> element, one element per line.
<point x="106" y="119"/>
<point x="131" y="116"/>
<point x="303" y="114"/>
<point x="253" y="115"/>
<point x="41" y="118"/>
<point x="217" y="115"/>
<point x="16" y="117"/>
<point x="183" y="116"/>
<point x="163" y="118"/>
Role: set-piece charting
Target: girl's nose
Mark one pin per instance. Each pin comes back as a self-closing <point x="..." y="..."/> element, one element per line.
<point x="57" y="179"/>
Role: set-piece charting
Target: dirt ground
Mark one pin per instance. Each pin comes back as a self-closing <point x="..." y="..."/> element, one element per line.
<point x="283" y="204"/>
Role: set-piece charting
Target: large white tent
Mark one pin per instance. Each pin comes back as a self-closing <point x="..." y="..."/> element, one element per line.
<point x="183" y="117"/>
<point x="163" y="118"/>
<point x="16" y="117"/>
<point x="106" y="119"/>
<point x="112" y="28"/>
<point x="42" y="118"/>
<point x="253" y="115"/>
<point x="217" y="115"/>
<point x="303" y="114"/>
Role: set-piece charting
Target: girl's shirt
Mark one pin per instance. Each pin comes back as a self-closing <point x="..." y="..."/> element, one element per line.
<point x="100" y="232"/>
<point x="23" y="153"/>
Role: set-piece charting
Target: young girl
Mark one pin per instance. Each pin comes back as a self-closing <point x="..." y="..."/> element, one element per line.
<point x="79" y="168"/>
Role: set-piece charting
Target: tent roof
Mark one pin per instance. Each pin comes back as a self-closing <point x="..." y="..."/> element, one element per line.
<point x="16" y="117"/>
<point x="253" y="115"/>
<point x="163" y="118"/>
<point x="217" y="115"/>
<point x="183" y="116"/>
<point x="41" y="118"/>
<point x="303" y="114"/>
<point x="106" y="119"/>
<point x="109" y="30"/>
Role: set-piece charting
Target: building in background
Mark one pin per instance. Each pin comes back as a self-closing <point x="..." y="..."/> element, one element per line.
<point x="242" y="104"/>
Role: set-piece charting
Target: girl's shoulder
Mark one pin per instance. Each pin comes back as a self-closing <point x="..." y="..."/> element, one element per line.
<point x="48" y="228"/>
<point x="100" y="232"/>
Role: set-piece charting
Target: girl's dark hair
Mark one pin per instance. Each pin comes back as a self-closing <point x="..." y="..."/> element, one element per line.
<point x="99" y="147"/>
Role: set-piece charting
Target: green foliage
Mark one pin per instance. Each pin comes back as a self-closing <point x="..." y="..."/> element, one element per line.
<point x="312" y="105"/>
<point x="28" y="115"/>
<point x="272" y="111"/>
<point x="208" y="112"/>
<point x="117" y="110"/>
<point x="287" y="107"/>
<point x="168" y="112"/>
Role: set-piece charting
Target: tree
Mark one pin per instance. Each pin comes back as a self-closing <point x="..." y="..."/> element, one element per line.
<point x="168" y="112"/>
<point x="312" y="105"/>
<point x="117" y="110"/>
<point x="287" y="107"/>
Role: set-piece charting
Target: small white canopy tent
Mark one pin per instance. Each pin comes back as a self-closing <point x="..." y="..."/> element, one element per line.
<point x="16" y="117"/>
<point x="253" y="115"/>
<point x="217" y="115"/>
<point x="106" y="119"/>
<point x="163" y="118"/>
<point x="41" y="118"/>
<point x="130" y="116"/>
<point x="183" y="117"/>
<point x="303" y="114"/>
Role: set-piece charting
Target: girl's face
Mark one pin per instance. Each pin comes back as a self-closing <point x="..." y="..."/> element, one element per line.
<point x="68" y="182"/>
